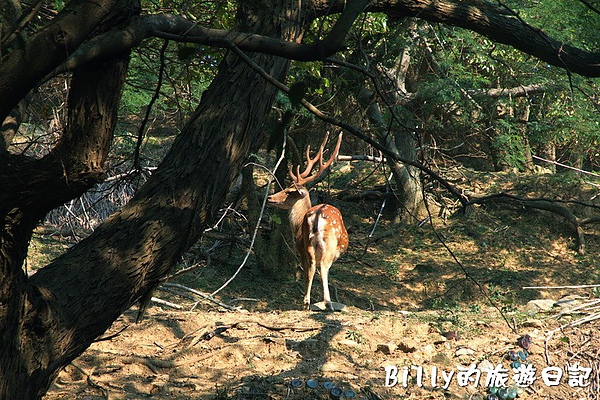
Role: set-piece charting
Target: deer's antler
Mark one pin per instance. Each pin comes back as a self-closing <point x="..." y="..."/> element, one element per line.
<point x="303" y="178"/>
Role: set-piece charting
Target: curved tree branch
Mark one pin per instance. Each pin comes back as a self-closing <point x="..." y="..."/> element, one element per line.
<point x="177" y="28"/>
<point x="501" y="25"/>
<point x="24" y="67"/>
<point x="493" y="21"/>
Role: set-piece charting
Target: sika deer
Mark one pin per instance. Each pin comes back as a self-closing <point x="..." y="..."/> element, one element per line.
<point x="319" y="231"/>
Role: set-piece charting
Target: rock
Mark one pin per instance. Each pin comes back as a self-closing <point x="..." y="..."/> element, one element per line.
<point x="451" y="335"/>
<point x="243" y="326"/>
<point x="322" y="306"/>
<point x="485" y="364"/>
<point x="533" y="323"/>
<point x="436" y="338"/>
<point x="427" y="350"/>
<point x="442" y="359"/>
<point x="569" y="302"/>
<point x="387" y="348"/>
<point x="540" y="305"/>
<point x="464" y="351"/>
<point x="408" y="345"/>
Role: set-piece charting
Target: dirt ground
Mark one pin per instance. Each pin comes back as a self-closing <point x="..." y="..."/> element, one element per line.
<point x="211" y="354"/>
<point x="409" y="304"/>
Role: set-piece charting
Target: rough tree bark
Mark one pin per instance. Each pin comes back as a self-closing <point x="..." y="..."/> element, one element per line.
<point x="28" y="330"/>
<point x="32" y="187"/>
<point x="72" y="301"/>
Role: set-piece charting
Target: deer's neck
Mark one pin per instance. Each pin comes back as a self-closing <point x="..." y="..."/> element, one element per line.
<point x="297" y="213"/>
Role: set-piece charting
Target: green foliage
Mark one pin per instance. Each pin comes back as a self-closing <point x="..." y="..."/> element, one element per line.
<point x="566" y="119"/>
<point x="509" y="145"/>
<point x="570" y="21"/>
<point x="188" y="68"/>
<point x="58" y="4"/>
<point x="450" y="71"/>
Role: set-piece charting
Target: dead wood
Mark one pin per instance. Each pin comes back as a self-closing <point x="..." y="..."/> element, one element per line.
<point x="550" y="205"/>
<point x="366" y="195"/>
<point x="288" y="327"/>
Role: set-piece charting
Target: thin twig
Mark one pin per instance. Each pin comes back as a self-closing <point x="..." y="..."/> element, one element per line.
<point x="387" y="187"/>
<point x="203" y="295"/>
<point x="561" y="287"/>
<point x="166" y="303"/>
<point x="142" y="130"/>
<point x="565" y="166"/>
<point x="91" y="382"/>
<point x="114" y="335"/>
<point x="191" y="268"/>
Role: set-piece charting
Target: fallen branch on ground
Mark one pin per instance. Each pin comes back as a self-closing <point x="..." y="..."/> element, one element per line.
<point x="552" y="206"/>
<point x="203" y="295"/>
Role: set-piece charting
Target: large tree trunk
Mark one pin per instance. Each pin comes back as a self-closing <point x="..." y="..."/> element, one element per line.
<point x="56" y="314"/>
<point x="30" y="188"/>
<point x="29" y="323"/>
<point x="407" y="178"/>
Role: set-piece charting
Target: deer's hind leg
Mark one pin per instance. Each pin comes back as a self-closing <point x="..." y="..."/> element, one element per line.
<point x="326" y="259"/>
<point x="309" y="267"/>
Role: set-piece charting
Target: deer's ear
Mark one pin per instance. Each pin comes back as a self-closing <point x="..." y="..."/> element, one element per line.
<point x="302" y="191"/>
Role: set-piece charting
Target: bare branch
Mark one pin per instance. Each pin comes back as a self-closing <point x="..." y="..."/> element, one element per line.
<point x="177" y="28"/>
<point x="518" y="91"/>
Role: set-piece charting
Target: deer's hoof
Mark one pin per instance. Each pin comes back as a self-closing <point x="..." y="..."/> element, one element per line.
<point x="327" y="306"/>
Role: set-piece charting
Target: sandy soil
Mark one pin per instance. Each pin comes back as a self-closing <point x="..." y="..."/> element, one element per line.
<point x="410" y="304"/>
